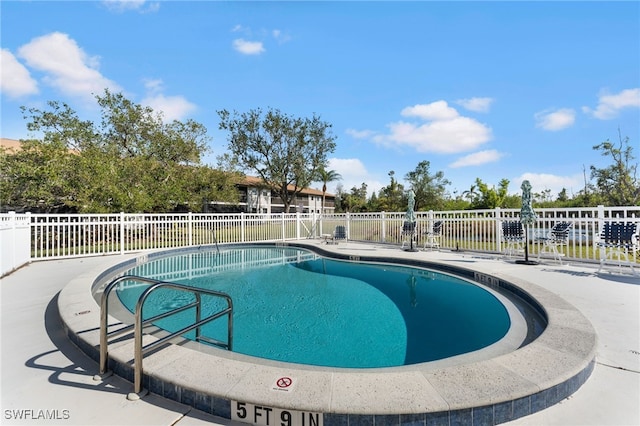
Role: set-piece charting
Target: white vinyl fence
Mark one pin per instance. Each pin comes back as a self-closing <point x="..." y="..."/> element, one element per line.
<point x="15" y="242"/>
<point x="28" y="237"/>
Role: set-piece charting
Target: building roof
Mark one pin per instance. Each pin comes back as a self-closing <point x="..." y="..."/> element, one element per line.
<point x="10" y="145"/>
<point x="13" y="146"/>
<point x="256" y="181"/>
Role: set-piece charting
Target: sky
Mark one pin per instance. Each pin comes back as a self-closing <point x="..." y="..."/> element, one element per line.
<point x="490" y="90"/>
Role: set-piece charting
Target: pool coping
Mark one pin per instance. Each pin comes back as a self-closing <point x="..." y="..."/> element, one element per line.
<point x="491" y="391"/>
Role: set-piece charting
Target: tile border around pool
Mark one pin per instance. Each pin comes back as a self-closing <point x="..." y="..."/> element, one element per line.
<point x="494" y="391"/>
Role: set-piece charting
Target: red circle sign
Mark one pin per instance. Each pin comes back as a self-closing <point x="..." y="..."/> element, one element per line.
<point x="284" y="382"/>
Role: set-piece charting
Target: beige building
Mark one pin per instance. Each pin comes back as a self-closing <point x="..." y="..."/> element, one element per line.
<point x="256" y="197"/>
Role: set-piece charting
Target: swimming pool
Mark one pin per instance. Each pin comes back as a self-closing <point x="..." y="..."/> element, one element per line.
<point x="509" y="379"/>
<point x="295" y="306"/>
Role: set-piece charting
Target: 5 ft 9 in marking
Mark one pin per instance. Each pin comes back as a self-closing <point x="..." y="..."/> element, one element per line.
<point x="271" y="416"/>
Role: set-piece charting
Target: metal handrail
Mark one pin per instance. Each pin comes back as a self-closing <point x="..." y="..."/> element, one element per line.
<point x="215" y="240"/>
<point x="139" y="323"/>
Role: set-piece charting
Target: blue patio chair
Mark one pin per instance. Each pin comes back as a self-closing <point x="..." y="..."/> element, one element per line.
<point x="408" y="232"/>
<point x="558" y="236"/>
<point x="618" y="239"/>
<point x="513" y="236"/>
<point x="340" y="233"/>
<point x="432" y="237"/>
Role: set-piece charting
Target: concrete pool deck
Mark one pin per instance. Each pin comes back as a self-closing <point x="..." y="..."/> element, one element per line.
<point x="42" y="370"/>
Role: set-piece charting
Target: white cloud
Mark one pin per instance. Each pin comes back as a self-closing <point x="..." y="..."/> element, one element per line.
<point x="436" y="111"/>
<point x="172" y="107"/>
<point x="280" y="36"/>
<point x="555" y="120"/>
<point x="353" y="174"/>
<point x="15" y="80"/>
<point x="250" y="42"/>
<point x="541" y="182"/>
<point x="476" y="104"/>
<point x="126" y="5"/>
<point x="609" y="105"/>
<point x="477" y="158"/>
<point x="360" y="134"/>
<point x="445" y="131"/>
<point x="153" y="85"/>
<point x="66" y="66"/>
<point x="248" y="47"/>
<point x="348" y="168"/>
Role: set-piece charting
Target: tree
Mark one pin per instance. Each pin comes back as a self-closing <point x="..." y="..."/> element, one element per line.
<point x="285" y="151"/>
<point x="543" y="196"/>
<point x="373" y="204"/>
<point x="562" y="196"/>
<point x="61" y="126"/>
<point x="429" y="189"/>
<point x="392" y="198"/>
<point x="325" y="176"/>
<point x="340" y="196"/>
<point x="133" y="130"/>
<point x="618" y="184"/>
<point x="39" y="176"/>
<point x="471" y="194"/>
<point x="133" y="161"/>
<point x="354" y="201"/>
<point x="490" y="197"/>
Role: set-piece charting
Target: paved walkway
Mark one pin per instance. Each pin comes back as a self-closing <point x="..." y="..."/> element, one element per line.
<point x="47" y="380"/>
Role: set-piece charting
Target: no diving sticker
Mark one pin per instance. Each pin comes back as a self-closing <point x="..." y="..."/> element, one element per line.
<point x="283" y="384"/>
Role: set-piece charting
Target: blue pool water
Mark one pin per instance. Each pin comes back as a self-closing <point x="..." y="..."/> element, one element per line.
<point x="294" y="306"/>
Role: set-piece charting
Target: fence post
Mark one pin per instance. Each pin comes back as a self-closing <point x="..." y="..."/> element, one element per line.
<point x="242" y="219"/>
<point x="13" y="223"/>
<point x="29" y="225"/>
<point x="383" y="227"/>
<point x="316" y="224"/>
<point x="596" y="232"/>
<point x="498" y="229"/>
<point x="282" y="226"/>
<point x="348" y="225"/>
<point x="190" y="219"/>
<point x="122" y="236"/>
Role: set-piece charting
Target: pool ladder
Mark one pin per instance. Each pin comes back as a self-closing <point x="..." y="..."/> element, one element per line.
<point x="215" y="240"/>
<point x="140" y="323"/>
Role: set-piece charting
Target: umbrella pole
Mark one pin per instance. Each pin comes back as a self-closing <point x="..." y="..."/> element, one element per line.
<point x="411" y="237"/>
<point x="526" y="260"/>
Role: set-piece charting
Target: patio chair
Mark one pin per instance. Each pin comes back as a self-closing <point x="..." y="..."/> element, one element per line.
<point x="618" y="239"/>
<point x="340" y="233"/>
<point x="408" y="232"/>
<point x="513" y="236"/>
<point x="557" y="236"/>
<point x="432" y="237"/>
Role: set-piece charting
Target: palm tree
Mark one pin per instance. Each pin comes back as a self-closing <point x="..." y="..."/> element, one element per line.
<point x="325" y="176"/>
<point x="471" y="193"/>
